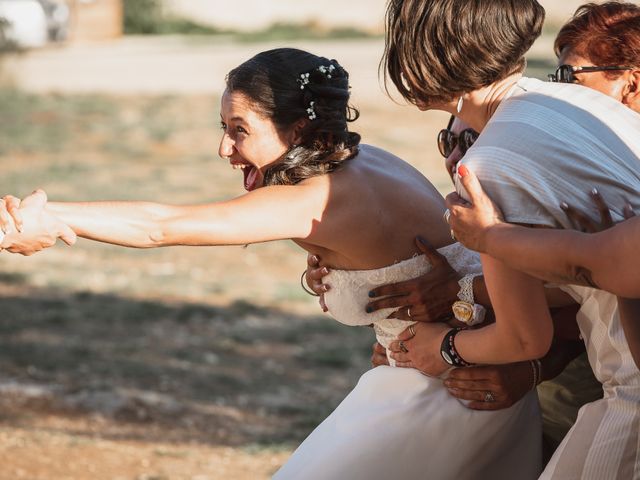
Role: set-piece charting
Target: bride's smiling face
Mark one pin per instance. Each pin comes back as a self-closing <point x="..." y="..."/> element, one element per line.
<point x="249" y="141"/>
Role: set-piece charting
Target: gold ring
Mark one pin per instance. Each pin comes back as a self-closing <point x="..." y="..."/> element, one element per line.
<point x="403" y="347"/>
<point x="412" y="330"/>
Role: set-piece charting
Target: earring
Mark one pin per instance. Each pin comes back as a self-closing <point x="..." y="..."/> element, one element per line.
<point x="460" y="102"/>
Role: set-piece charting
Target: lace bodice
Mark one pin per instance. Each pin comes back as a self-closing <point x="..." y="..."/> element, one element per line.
<point x="349" y="292"/>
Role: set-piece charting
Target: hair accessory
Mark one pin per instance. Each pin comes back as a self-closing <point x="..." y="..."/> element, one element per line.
<point x="303" y="80"/>
<point x="311" y="111"/>
<point x="326" y="70"/>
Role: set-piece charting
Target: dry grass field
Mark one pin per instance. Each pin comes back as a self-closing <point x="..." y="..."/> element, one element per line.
<point x="177" y="363"/>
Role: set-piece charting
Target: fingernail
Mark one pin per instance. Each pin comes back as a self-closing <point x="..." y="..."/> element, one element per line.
<point x="594" y="191"/>
<point x="564" y="206"/>
<point x="369" y="309"/>
<point x="326" y="288"/>
<point x="324" y="270"/>
<point x="463" y="171"/>
<point x="422" y="240"/>
<point x="372" y="294"/>
<point x="314" y="259"/>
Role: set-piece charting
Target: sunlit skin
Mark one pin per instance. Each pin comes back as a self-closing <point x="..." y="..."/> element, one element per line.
<point x="249" y="142"/>
<point x="365" y="200"/>
<point x="622" y="86"/>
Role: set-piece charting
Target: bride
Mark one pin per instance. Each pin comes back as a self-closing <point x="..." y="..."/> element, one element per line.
<point x="284" y="117"/>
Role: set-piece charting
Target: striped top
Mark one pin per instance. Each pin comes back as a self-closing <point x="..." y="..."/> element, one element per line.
<point x="548" y="143"/>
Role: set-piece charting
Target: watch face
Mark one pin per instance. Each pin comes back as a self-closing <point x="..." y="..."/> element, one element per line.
<point x="463" y="311"/>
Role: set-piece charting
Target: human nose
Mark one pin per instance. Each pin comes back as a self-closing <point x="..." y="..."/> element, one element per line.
<point x="225" y="148"/>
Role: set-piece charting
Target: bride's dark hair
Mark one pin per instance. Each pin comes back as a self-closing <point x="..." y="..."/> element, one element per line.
<point x="278" y="87"/>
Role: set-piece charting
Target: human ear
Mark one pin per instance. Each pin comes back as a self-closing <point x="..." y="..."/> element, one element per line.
<point x="297" y="131"/>
<point x="631" y="91"/>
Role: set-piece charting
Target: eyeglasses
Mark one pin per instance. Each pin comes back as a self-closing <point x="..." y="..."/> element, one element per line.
<point x="566" y="73"/>
<point x="448" y="141"/>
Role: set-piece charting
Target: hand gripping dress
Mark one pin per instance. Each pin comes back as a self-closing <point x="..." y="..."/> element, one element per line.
<point x="399" y="423"/>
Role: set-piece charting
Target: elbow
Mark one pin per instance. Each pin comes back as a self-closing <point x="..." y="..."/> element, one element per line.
<point x="536" y="346"/>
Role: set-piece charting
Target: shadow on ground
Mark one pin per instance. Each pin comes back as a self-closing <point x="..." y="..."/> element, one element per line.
<point x="147" y="370"/>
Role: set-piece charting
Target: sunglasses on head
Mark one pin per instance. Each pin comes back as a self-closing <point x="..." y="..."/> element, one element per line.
<point x="566" y="73"/>
<point x="448" y="141"/>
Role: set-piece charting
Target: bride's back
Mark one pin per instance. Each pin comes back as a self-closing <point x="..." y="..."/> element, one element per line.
<point x="376" y="205"/>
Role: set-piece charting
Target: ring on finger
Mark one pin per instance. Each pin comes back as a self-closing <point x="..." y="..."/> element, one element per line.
<point x="403" y="347"/>
<point x="453" y="235"/>
<point x="447" y="214"/>
<point x="489" y="398"/>
<point x="409" y="312"/>
<point x="412" y="330"/>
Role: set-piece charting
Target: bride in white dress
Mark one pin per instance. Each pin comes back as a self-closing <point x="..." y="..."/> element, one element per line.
<point x="284" y="117"/>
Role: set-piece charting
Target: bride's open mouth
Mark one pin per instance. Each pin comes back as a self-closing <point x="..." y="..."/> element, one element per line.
<point x="250" y="173"/>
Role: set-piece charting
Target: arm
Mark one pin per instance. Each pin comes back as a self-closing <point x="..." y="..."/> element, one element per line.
<point x="255" y="217"/>
<point x="607" y="259"/>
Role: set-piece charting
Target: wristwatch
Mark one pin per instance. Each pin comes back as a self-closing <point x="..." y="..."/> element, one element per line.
<point x="465" y="309"/>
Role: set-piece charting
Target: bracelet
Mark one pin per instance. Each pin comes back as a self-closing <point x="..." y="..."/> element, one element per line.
<point x="536" y="369"/>
<point x="448" y="350"/>
<point x="304" y="287"/>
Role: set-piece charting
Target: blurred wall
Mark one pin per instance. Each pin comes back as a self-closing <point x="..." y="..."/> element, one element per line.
<point x="93" y="20"/>
<point x="362" y="14"/>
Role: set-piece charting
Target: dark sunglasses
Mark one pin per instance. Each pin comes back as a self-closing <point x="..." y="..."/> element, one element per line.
<point x="566" y="73"/>
<point x="448" y="141"/>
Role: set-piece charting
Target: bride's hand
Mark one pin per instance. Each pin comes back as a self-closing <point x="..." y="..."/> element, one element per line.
<point x="37" y="228"/>
<point x="470" y="222"/>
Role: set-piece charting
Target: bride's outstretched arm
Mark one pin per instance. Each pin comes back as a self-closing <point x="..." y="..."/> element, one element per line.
<point x="269" y="213"/>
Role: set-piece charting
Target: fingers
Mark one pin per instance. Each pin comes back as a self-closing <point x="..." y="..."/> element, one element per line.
<point x="379" y="356"/>
<point x="471" y="184"/>
<point x="67" y="235"/>
<point x="579" y="219"/>
<point x="389" y="302"/>
<point x="313" y="261"/>
<point x="407" y="364"/>
<point x="13" y="207"/>
<point x="6" y="222"/>
<point x="605" y="215"/>
<point x="323" y="304"/>
<point x="431" y="253"/>
<point x="407" y="334"/>
<point x="314" y="277"/>
<point x="37" y="199"/>
<point x="454" y="200"/>
<point x="457" y="376"/>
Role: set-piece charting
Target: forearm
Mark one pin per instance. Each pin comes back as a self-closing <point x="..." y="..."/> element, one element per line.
<point x="629" y="310"/>
<point x="560" y="256"/>
<point x="130" y="224"/>
<point x="523" y="328"/>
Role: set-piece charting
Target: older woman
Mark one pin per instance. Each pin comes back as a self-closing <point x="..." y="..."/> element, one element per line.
<point x="540" y="144"/>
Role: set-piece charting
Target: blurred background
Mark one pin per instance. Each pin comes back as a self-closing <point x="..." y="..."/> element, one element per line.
<point x="180" y="363"/>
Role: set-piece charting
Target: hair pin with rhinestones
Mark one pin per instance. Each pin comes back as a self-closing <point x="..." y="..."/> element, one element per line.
<point x="311" y="111"/>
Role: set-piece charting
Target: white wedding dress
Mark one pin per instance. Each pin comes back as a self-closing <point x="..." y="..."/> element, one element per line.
<point x="400" y="424"/>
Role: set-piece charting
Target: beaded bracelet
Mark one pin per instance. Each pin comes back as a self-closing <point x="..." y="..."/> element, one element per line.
<point x="448" y="350"/>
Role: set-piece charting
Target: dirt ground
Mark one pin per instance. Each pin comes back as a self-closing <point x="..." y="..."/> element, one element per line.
<point x="183" y="363"/>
